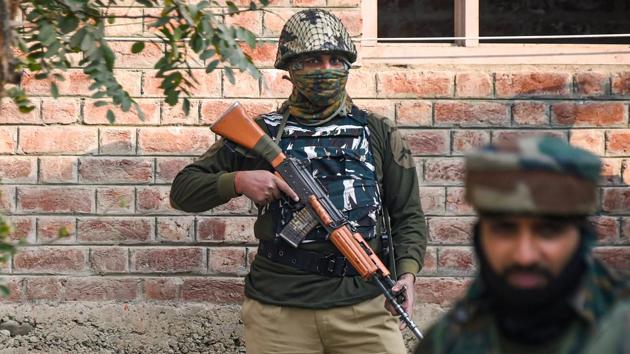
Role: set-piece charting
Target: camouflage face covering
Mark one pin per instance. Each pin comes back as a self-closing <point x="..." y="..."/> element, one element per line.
<point x="318" y="94"/>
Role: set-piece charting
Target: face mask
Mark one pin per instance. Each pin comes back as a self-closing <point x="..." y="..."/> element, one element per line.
<point x="321" y="87"/>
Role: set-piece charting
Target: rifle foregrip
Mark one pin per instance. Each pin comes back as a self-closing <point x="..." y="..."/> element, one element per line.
<point x="346" y="244"/>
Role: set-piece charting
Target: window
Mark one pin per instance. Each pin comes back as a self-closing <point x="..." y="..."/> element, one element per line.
<point x="390" y="26"/>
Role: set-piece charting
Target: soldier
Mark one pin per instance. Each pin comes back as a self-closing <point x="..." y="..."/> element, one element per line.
<point x="309" y="299"/>
<point x="538" y="290"/>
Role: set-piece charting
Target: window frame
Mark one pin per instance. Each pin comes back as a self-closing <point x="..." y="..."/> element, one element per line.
<point x="470" y="51"/>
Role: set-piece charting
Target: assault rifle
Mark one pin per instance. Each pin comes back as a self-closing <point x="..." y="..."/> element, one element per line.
<point x="236" y="126"/>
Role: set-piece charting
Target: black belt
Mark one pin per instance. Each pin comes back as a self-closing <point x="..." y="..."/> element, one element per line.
<point x="329" y="265"/>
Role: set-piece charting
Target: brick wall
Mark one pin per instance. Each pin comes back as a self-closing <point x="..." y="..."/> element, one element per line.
<point x="64" y="166"/>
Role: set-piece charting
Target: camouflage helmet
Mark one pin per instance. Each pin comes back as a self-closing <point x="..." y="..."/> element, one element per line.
<point x="540" y="176"/>
<point x="313" y="31"/>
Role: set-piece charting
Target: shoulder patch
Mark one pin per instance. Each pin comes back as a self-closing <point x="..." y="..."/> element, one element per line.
<point x="400" y="150"/>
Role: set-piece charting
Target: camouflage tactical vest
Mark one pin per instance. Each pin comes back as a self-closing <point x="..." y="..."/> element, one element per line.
<point x="340" y="158"/>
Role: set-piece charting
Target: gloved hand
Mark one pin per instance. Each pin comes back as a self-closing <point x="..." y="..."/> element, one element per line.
<point x="262" y="186"/>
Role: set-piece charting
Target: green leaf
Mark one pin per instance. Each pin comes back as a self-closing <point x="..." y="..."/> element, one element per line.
<point x="77" y="38"/>
<point x="172" y="97"/>
<point x="207" y="54"/>
<point x="232" y="8"/>
<point x="137" y="47"/>
<point x="252" y="5"/>
<point x="213" y="65"/>
<point x="4" y="290"/>
<point x="230" y="74"/>
<point x="111" y="117"/>
<point x="54" y="90"/>
<point x="109" y="56"/>
<point x="100" y="103"/>
<point x="247" y="36"/>
<point x="68" y="24"/>
<point x="111" y="20"/>
<point x="264" y="2"/>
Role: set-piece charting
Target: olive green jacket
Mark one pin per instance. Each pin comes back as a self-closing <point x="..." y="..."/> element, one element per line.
<point x="470" y="328"/>
<point x="209" y="182"/>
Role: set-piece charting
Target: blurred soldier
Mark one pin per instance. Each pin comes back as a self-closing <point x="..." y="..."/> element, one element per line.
<point x="539" y="290"/>
<point x="309" y="299"/>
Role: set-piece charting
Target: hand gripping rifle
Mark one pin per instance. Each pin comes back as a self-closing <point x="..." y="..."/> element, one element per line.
<point x="236" y="126"/>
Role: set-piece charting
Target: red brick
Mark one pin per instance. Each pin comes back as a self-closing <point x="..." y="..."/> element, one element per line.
<point x="618" y="142"/>
<point x="263" y="55"/>
<point x="175" y="140"/>
<point x="174" y="115"/>
<point x="473" y="84"/>
<point x="442" y="291"/>
<point x="465" y="141"/>
<point x="130" y="80"/>
<point x="532" y="84"/>
<point x="108" y="260"/>
<point x="161" y="288"/>
<point x="236" y="206"/>
<point x="168" y="260"/>
<point x="275" y="20"/>
<point x="451" y="230"/>
<point x="115" y="230"/>
<point x="18" y="169"/>
<point x="124" y="27"/>
<point x="227" y="260"/>
<point x="21" y="228"/>
<point x="8" y="140"/>
<point x="226" y="229"/>
<point x="501" y="136"/>
<point x="60" y="111"/>
<point x="11" y="114"/>
<point x="351" y="19"/>
<point x="530" y="114"/>
<point x="456" y="261"/>
<point x="343" y="3"/>
<point x="115" y="170"/>
<point x="380" y="107"/>
<point x="621" y="84"/>
<point x="361" y="84"/>
<point x="7" y="199"/>
<point x="56" y="229"/>
<point x="616" y="200"/>
<point x="591" y="83"/>
<point x="61" y="260"/>
<point x="444" y="171"/>
<point x="98" y="115"/>
<point x="414" y="113"/>
<point x="432" y="200"/>
<point x="591" y="140"/>
<point x="176" y="229"/>
<point x="309" y="3"/>
<point x="58" y="140"/>
<point x="213" y="290"/>
<point x="55" y="199"/>
<point x="58" y="169"/>
<point x="146" y="59"/>
<point x="414" y="84"/>
<point x="251" y="20"/>
<point x="168" y="167"/>
<point x="44" y="288"/>
<point x="606" y="228"/>
<point x="75" y="83"/>
<point x="617" y="258"/>
<point x="117" y="141"/>
<point x="611" y="172"/>
<point x="589" y="114"/>
<point x="456" y="202"/>
<point x="154" y="200"/>
<point x="115" y="200"/>
<point x="244" y="85"/>
<point x="211" y="110"/>
<point x="430" y="262"/>
<point x="16" y="289"/>
<point x="471" y="114"/>
<point x="427" y="142"/>
<point x="101" y="289"/>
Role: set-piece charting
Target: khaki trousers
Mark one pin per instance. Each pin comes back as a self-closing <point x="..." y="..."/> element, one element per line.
<point x="364" y="328"/>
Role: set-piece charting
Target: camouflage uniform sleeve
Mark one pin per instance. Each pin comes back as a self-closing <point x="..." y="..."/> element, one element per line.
<point x="209" y="181"/>
<point x="400" y="195"/>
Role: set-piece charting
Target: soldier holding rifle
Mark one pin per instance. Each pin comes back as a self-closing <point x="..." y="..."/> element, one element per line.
<point x="310" y="298"/>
